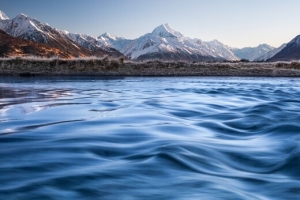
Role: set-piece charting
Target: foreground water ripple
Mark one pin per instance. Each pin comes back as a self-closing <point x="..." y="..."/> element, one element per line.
<point x="149" y="138"/>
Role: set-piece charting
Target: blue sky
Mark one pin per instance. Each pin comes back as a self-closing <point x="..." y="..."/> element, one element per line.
<point x="237" y="23"/>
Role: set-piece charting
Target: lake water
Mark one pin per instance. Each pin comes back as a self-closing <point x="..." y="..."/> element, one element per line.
<point x="149" y="138"/>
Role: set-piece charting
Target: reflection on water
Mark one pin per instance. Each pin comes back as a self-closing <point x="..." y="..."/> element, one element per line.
<point x="149" y="138"/>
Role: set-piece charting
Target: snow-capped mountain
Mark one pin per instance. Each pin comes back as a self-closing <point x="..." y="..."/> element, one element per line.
<point x="271" y="53"/>
<point x="167" y="44"/>
<point x="92" y="44"/>
<point x="163" y="43"/>
<point x="3" y="16"/>
<point x="84" y="40"/>
<point x="116" y="42"/>
<point x="290" y="52"/>
<point x="219" y="49"/>
<point x="24" y="27"/>
<point x="252" y="53"/>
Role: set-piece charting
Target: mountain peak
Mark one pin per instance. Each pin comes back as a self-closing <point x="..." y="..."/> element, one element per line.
<point x="165" y="30"/>
<point x="167" y="27"/>
<point x="22" y="16"/>
<point x="65" y="32"/>
<point x="215" y="41"/>
<point x="106" y="34"/>
<point x="3" y="16"/>
<point x="264" y="45"/>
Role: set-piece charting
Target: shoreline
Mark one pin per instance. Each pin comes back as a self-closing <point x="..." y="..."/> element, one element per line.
<point x="106" y="67"/>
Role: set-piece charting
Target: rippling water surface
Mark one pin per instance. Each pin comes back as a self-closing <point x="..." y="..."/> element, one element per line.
<point x="149" y="138"/>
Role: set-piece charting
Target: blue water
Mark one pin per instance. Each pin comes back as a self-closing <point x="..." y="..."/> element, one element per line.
<point x="149" y="138"/>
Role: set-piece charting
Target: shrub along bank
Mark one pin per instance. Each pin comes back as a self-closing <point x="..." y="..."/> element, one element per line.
<point x="106" y="66"/>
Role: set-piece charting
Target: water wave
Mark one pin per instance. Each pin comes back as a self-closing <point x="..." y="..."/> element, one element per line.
<point x="149" y="138"/>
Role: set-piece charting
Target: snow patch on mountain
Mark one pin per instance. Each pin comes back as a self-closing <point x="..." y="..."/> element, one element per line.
<point x="86" y="41"/>
<point x="3" y="16"/>
<point x="219" y="49"/>
<point x="91" y="43"/>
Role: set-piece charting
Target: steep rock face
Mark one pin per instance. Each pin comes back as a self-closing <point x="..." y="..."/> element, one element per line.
<point x="290" y="52"/>
<point x="11" y="46"/>
<point x="252" y="53"/>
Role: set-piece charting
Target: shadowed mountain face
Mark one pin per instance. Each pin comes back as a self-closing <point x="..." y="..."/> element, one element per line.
<point x="11" y="46"/>
<point x="290" y="52"/>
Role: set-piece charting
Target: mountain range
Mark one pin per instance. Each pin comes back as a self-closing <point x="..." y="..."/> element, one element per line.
<point x="163" y="43"/>
<point x="167" y="44"/>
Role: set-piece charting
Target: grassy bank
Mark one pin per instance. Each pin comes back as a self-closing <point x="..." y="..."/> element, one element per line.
<point x="105" y="66"/>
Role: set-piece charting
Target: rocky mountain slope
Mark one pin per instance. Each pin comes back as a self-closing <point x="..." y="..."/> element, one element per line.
<point x="11" y="46"/>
